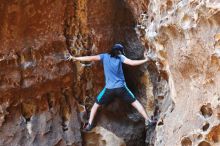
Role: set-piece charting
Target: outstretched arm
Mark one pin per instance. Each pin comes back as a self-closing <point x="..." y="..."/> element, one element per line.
<point x="135" y="62"/>
<point x="85" y="58"/>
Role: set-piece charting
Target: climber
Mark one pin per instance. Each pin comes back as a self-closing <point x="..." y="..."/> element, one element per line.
<point x="115" y="81"/>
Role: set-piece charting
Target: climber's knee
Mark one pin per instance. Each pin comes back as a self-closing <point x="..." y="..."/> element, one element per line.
<point x="134" y="103"/>
<point x="96" y="105"/>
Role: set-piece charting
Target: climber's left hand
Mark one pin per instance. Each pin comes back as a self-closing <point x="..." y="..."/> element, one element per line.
<point x="71" y="58"/>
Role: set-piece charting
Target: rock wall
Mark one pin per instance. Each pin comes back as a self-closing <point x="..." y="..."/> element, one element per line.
<point x="183" y="38"/>
<point x="38" y="105"/>
<point x="45" y="99"/>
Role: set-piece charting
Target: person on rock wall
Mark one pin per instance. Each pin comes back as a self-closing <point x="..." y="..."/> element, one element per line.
<point x="115" y="85"/>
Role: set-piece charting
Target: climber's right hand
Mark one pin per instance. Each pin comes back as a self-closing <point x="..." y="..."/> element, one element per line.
<point x="146" y="56"/>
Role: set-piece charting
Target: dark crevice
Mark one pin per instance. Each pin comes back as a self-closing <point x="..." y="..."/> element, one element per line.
<point x="205" y="127"/>
<point x="160" y="123"/>
<point x="206" y="110"/>
<point x="27" y="120"/>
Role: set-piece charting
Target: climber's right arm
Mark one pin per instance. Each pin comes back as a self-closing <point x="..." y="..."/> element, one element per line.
<point x="128" y="61"/>
<point x="85" y="58"/>
<point x="135" y="62"/>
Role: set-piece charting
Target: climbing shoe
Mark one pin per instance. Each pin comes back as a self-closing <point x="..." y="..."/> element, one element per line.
<point x="87" y="127"/>
<point x="150" y="123"/>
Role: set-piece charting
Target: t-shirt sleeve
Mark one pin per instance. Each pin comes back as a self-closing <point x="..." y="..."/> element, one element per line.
<point x="102" y="56"/>
<point x="122" y="57"/>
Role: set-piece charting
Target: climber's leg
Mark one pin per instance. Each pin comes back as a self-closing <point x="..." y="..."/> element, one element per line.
<point x="129" y="97"/>
<point x="93" y="112"/>
<point x="148" y="122"/>
<point x="136" y="104"/>
<point x="104" y="97"/>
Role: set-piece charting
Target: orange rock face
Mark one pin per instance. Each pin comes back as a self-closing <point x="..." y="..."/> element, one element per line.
<point x="38" y="106"/>
<point x="45" y="99"/>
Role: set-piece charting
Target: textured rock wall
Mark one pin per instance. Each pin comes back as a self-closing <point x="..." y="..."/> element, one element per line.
<point x="183" y="38"/>
<point x="37" y="104"/>
<point x="43" y="98"/>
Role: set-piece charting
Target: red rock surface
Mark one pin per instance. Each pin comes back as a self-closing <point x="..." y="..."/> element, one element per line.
<point x="44" y="99"/>
<point x="43" y="96"/>
<point x="38" y="106"/>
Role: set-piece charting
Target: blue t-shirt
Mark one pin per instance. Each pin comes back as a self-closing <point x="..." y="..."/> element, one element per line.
<point x="114" y="76"/>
